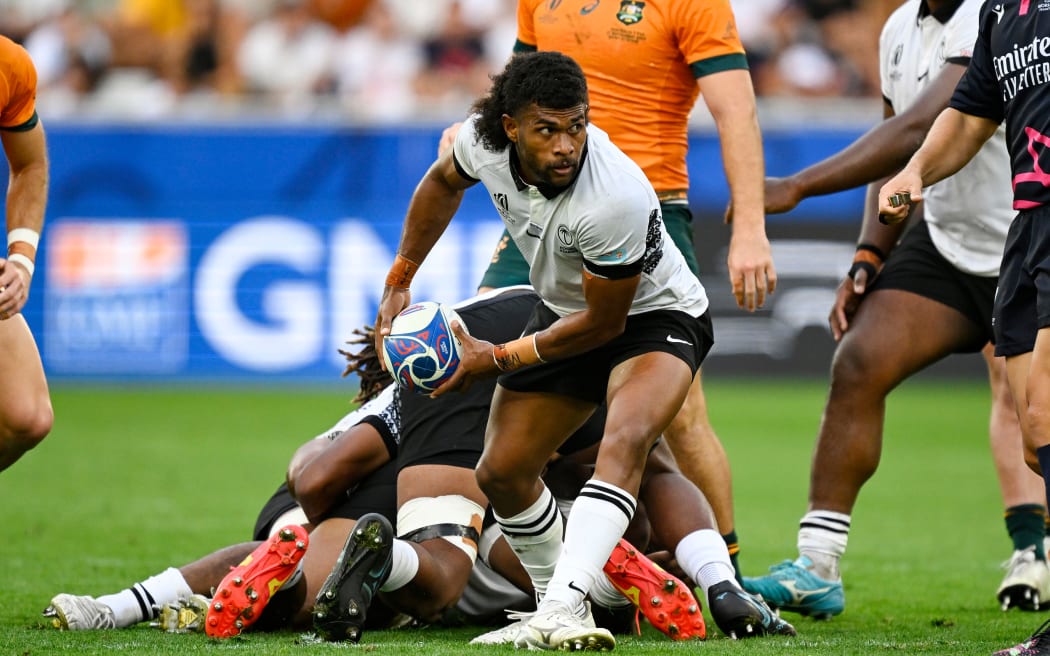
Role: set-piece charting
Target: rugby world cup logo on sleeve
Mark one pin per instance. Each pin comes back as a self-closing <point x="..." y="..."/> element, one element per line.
<point x="502" y="206"/>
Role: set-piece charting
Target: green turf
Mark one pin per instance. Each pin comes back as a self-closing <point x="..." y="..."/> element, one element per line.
<point x="133" y="480"/>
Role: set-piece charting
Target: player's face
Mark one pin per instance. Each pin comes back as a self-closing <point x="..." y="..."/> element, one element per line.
<point x="549" y="143"/>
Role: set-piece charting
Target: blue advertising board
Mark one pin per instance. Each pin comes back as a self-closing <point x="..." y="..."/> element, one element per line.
<point x="227" y="253"/>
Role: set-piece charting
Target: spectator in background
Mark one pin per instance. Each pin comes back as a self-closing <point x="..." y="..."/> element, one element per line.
<point x="376" y="68"/>
<point x="810" y="47"/>
<point x="19" y="17"/>
<point x="456" y="51"/>
<point x="287" y="56"/>
<point x="846" y="31"/>
<point x="456" y="69"/>
<point x="143" y="30"/>
<point x="201" y="56"/>
<point x="342" y="15"/>
<point x="71" y="54"/>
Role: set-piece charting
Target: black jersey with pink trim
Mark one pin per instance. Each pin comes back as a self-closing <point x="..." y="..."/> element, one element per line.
<point x="1009" y="80"/>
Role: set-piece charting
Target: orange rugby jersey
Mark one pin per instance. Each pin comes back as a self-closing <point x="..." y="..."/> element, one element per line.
<point x="17" y="87"/>
<point x="641" y="59"/>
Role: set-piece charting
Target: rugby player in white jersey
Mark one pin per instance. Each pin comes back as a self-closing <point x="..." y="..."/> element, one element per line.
<point x="906" y="305"/>
<point x="621" y="320"/>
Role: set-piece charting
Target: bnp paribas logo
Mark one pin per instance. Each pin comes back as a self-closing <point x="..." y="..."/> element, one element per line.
<point x="630" y="12"/>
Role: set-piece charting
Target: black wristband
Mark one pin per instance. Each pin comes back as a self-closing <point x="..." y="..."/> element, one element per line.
<point x="872" y="248"/>
<point x="866" y="266"/>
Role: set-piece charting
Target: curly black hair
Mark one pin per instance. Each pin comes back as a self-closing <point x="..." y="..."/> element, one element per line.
<point x="549" y="79"/>
<point x="365" y="363"/>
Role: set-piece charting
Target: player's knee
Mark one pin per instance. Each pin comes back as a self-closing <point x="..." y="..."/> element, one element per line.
<point x="28" y="424"/>
<point x="627" y="443"/>
<point x="501" y="483"/>
<point x="693" y="413"/>
<point x="855" y="368"/>
<point x="1037" y="417"/>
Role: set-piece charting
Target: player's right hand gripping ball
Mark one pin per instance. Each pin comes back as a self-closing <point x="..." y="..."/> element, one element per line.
<point x="421" y="352"/>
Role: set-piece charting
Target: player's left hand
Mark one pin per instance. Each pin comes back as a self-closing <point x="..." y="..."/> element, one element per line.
<point x="14" y="288"/>
<point x="475" y="361"/>
<point x="751" y="270"/>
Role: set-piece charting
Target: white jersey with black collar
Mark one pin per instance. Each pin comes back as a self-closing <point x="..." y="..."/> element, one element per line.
<point x="969" y="212"/>
<point x="607" y="221"/>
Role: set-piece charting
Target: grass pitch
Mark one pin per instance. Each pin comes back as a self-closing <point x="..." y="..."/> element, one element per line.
<point x="132" y="481"/>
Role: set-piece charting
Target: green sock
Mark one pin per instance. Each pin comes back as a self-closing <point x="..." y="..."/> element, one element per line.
<point x="1026" y="524"/>
<point x="734" y="552"/>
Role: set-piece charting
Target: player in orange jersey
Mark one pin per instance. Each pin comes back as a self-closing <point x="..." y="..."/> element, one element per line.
<point x="25" y="405"/>
<point x="646" y="63"/>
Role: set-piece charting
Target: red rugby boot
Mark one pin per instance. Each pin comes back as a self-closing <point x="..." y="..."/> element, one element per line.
<point x="243" y="594"/>
<point x="665" y="601"/>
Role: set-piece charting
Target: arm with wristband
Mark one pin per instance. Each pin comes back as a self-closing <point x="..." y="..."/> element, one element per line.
<point x="26" y="153"/>
<point x="433" y="204"/>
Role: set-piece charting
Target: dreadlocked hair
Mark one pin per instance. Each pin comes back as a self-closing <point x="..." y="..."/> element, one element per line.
<point x="365" y="363"/>
<point x="549" y="79"/>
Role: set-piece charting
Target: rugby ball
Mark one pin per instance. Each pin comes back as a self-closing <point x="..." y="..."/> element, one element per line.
<point x="421" y="352"/>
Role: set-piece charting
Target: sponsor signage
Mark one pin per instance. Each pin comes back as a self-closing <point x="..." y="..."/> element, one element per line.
<point x="250" y="254"/>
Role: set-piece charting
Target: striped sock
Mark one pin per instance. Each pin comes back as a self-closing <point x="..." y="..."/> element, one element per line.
<point x="597" y="522"/>
<point x="140" y="602"/>
<point x="822" y="537"/>
<point x="535" y="535"/>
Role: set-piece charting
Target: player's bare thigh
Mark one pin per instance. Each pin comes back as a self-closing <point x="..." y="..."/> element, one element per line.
<point x="525" y="429"/>
<point x="896" y="333"/>
<point x="23" y="387"/>
<point x="637" y="415"/>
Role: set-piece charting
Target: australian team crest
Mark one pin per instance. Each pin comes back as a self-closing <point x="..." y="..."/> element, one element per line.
<point x="630" y="12"/>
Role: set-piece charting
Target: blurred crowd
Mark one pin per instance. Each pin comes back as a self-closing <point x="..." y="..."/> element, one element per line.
<point x="374" y="60"/>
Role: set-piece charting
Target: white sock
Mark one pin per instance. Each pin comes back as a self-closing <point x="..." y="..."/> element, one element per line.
<point x="535" y="535"/>
<point x="605" y="594"/>
<point x="138" y="603"/>
<point x="597" y="522"/>
<point x="822" y="537"/>
<point x="404" y="564"/>
<point x="704" y="556"/>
